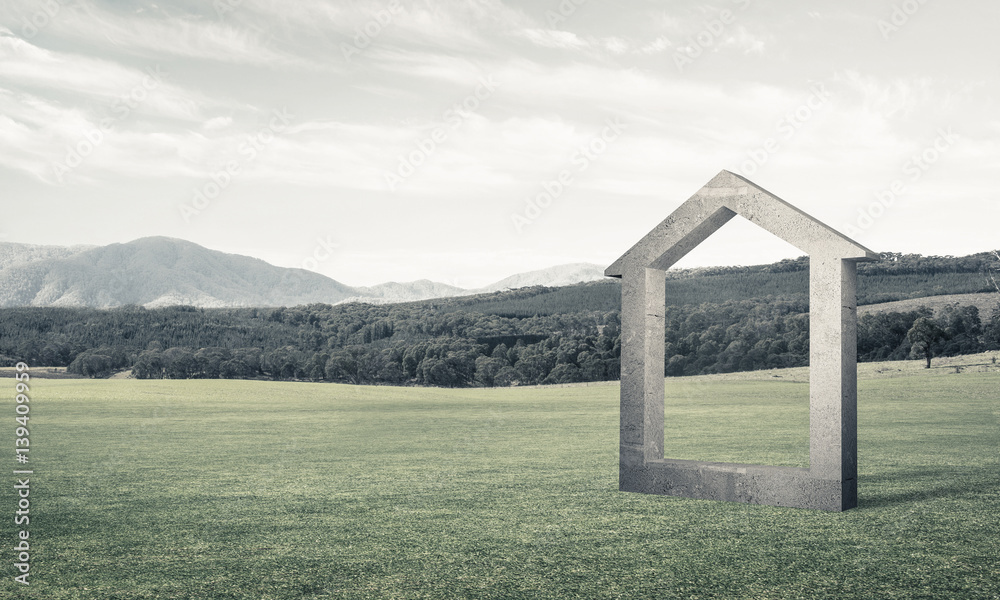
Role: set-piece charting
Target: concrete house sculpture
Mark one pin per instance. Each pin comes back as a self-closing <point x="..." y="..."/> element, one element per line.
<point x="830" y="482"/>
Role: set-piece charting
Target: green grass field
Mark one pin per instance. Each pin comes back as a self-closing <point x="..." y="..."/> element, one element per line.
<point x="233" y="489"/>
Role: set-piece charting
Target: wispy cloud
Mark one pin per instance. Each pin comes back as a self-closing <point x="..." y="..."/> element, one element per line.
<point x="551" y="38"/>
<point x="744" y="41"/>
<point x="895" y="98"/>
<point x="660" y="44"/>
<point x="226" y="64"/>
<point x="157" y="33"/>
<point x="217" y="123"/>
<point x="93" y="82"/>
<point x="445" y="25"/>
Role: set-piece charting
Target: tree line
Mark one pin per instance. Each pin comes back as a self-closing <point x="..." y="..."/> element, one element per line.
<point x="896" y="276"/>
<point x="444" y="343"/>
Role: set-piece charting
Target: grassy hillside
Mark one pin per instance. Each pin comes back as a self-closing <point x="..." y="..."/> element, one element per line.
<point x="986" y="302"/>
<point x="239" y="489"/>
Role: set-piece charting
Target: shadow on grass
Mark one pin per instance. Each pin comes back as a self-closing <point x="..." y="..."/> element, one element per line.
<point x="921" y="483"/>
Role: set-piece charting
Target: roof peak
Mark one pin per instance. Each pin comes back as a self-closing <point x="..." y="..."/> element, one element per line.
<point x="723" y="197"/>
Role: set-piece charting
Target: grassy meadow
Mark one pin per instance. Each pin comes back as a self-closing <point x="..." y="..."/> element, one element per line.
<point x="259" y="490"/>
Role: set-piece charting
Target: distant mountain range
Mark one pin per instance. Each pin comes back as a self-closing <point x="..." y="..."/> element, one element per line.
<point x="161" y="271"/>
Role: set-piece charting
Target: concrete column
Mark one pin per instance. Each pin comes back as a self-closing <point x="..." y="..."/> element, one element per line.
<point x="833" y="372"/>
<point x="643" y="307"/>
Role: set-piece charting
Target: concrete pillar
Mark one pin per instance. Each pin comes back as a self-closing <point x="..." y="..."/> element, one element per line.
<point x="643" y="307"/>
<point x="833" y="373"/>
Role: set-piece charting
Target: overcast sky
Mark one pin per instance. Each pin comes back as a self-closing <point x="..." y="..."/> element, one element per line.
<point x="463" y="141"/>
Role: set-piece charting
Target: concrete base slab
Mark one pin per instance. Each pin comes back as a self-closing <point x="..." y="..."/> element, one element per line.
<point x="730" y="482"/>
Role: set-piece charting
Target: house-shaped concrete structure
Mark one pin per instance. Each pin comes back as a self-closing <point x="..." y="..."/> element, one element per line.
<point x="830" y="482"/>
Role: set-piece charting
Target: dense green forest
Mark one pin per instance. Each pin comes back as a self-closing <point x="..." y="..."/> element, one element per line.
<point x="717" y="320"/>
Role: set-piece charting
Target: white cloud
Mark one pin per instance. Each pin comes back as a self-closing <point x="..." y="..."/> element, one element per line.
<point x="551" y="38"/>
<point x="745" y="41"/>
<point x="359" y="117"/>
<point x="103" y="82"/>
<point x="660" y="44"/>
<point x="462" y="25"/>
<point x="619" y="46"/>
<point x="158" y="34"/>
<point x="615" y="45"/>
<point x="893" y="98"/>
<point x="217" y="123"/>
<point x="667" y="21"/>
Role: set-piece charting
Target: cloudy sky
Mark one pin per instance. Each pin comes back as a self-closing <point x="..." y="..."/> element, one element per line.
<point x="466" y="140"/>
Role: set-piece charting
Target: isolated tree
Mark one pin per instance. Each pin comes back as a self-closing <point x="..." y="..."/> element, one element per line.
<point x="923" y="335"/>
<point x="993" y="271"/>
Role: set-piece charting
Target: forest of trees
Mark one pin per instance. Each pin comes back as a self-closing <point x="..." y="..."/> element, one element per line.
<point x="490" y="340"/>
<point x="419" y="345"/>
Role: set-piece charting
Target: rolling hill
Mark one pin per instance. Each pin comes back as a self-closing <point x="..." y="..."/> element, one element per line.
<point x="160" y="271"/>
<point x="560" y="276"/>
<point x="14" y="254"/>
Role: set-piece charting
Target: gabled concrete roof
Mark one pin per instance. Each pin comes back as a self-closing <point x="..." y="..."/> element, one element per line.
<point x="722" y="198"/>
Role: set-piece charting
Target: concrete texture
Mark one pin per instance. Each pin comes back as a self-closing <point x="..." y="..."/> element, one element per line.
<point x="830" y="482"/>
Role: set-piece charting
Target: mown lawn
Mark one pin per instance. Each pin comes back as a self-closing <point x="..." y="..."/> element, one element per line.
<point x="221" y="489"/>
